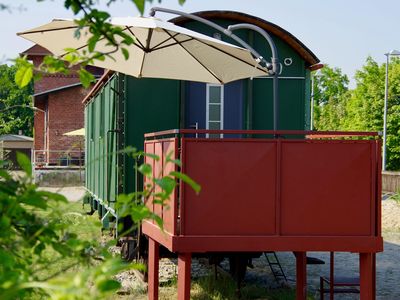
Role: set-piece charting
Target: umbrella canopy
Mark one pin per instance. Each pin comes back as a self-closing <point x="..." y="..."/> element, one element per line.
<point x="78" y="132"/>
<point x="161" y="50"/>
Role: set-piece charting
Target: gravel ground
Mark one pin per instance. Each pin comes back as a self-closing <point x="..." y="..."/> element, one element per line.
<point x="388" y="262"/>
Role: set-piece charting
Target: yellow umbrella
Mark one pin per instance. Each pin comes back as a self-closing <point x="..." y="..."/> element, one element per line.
<point x="80" y="132"/>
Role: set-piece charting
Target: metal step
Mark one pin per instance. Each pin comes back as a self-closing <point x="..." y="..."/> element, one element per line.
<point x="275" y="265"/>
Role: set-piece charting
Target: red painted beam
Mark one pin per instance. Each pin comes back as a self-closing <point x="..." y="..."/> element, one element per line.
<point x="367" y="276"/>
<point x="276" y="243"/>
<point x="153" y="261"/>
<point x="184" y="270"/>
<point x="301" y="275"/>
<point x="262" y="243"/>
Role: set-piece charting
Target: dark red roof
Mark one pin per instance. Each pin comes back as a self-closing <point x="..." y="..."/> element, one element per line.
<point x="36" y="50"/>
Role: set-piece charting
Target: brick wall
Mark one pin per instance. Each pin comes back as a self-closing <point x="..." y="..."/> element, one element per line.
<point x="65" y="113"/>
<point x="64" y="108"/>
<point x="38" y="124"/>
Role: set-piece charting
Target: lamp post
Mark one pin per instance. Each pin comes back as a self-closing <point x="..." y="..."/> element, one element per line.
<point x="391" y="53"/>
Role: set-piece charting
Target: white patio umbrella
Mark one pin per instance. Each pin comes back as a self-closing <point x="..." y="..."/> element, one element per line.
<point x="161" y="50"/>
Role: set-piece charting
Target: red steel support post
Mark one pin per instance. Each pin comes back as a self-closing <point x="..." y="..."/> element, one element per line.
<point x="301" y="275"/>
<point x="367" y="276"/>
<point x="153" y="269"/>
<point x="184" y="267"/>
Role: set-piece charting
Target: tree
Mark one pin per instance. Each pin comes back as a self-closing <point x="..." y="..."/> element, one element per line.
<point x="366" y="104"/>
<point x="330" y="90"/>
<point x="15" y="113"/>
<point x="330" y="93"/>
<point x="361" y="109"/>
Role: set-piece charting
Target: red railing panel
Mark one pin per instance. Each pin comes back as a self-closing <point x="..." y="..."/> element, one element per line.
<point x="149" y="148"/>
<point x="170" y="147"/>
<point x="326" y="188"/>
<point x="276" y="193"/>
<point x="163" y="148"/>
<point x="238" y="181"/>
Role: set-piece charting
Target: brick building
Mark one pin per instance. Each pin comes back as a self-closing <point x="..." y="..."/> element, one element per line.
<point x="58" y="98"/>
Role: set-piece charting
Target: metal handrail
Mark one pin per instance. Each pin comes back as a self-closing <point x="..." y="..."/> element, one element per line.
<point x="318" y="134"/>
<point x="57" y="158"/>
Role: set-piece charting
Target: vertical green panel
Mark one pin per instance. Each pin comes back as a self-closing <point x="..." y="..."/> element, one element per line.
<point x="86" y="145"/>
<point x="291" y="101"/>
<point x="110" y="150"/>
<point x="100" y="142"/>
<point x="100" y="124"/>
<point x="96" y="146"/>
<point x="152" y="105"/>
<point x="92" y="146"/>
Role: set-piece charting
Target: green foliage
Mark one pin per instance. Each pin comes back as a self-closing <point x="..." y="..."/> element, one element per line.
<point x="15" y="113"/>
<point x="366" y="103"/>
<point x="361" y="109"/>
<point x="330" y="94"/>
<point x="39" y="245"/>
<point x="35" y="234"/>
<point x="157" y="190"/>
<point x="85" y="77"/>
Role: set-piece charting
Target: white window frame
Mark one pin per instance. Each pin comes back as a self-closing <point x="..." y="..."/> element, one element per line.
<point x="208" y="106"/>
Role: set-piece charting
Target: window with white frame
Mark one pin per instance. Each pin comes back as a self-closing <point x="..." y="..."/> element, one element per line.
<point x="215" y="108"/>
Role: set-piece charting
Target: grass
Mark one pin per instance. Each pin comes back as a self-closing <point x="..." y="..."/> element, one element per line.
<point x="224" y="288"/>
<point x="396" y="197"/>
<point x="205" y="288"/>
<point x="84" y="226"/>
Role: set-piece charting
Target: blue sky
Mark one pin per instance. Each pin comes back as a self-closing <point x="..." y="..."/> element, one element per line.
<point x="342" y="33"/>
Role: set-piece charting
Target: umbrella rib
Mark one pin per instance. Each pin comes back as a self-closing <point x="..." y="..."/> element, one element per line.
<point x="238" y="58"/>
<point x="146" y="50"/>
<point x="163" y="42"/>
<point x="169" y="45"/>
<point x="85" y="45"/>
<point x="149" y="35"/>
<point x="46" y="30"/>
<point x="208" y="70"/>
<point x="140" y="43"/>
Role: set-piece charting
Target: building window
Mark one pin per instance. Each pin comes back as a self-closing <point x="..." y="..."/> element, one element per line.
<point x="215" y="108"/>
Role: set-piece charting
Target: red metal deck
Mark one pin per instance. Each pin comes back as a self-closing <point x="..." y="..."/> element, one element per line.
<point x="270" y="194"/>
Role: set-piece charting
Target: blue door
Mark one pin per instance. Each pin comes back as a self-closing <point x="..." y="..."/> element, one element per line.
<point x="211" y="106"/>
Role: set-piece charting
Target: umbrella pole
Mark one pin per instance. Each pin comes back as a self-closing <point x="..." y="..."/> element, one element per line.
<point x="273" y="67"/>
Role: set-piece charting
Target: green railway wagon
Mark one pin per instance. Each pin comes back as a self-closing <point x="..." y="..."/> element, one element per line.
<point x="121" y="109"/>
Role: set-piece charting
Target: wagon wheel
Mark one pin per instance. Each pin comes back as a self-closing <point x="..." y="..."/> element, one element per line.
<point x="128" y="249"/>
